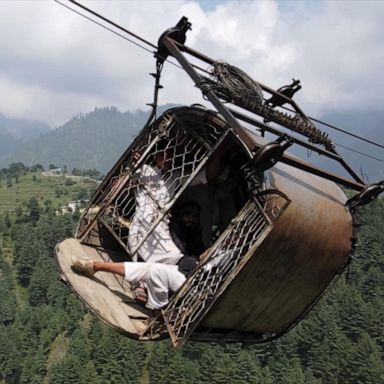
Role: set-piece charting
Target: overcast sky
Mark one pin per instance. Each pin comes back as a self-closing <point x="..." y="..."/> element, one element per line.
<point x="55" y="64"/>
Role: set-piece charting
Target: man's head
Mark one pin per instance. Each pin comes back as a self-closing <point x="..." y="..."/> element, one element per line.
<point x="188" y="215"/>
<point x="164" y="156"/>
<point x="164" y="160"/>
<point x="187" y="265"/>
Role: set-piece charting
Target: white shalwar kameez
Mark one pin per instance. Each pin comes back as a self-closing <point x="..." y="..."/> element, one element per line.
<point x="154" y="192"/>
<point x="158" y="278"/>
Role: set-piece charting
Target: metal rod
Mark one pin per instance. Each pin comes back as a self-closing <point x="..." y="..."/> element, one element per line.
<point x="331" y="155"/>
<point x="290" y="160"/>
<point x="234" y="124"/>
<point x="278" y="132"/>
<point x="173" y="47"/>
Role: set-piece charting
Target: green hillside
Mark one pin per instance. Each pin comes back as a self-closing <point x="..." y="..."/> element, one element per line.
<point x="48" y="336"/>
<point x="88" y="141"/>
<point x="54" y="190"/>
<point x="93" y="140"/>
<point x="14" y="132"/>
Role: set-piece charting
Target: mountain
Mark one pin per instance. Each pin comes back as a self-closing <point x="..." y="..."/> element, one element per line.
<point x="22" y="129"/>
<point x="93" y="140"/>
<point x="14" y="132"/>
<point x="97" y="139"/>
<point x="7" y="143"/>
<point x="87" y="141"/>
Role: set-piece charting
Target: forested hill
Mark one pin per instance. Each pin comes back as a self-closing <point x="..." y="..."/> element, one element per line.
<point x="14" y="132"/>
<point x="88" y="141"/>
<point x="47" y="336"/>
<point x="97" y="139"/>
<point x="93" y="140"/>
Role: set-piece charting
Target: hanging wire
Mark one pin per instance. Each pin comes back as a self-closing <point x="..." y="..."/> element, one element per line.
<point x="347" y="133"/>
<point x="112" y="23"/>
<point x="360" y="153"/>
<point x="119" y="34"/>
<point x="201" y="69"/>
<point x="103" y="26"/>
<point x="338" y="129"/>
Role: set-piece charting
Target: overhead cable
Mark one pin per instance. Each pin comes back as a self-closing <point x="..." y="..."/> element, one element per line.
<point x="176" y="65"/>
<point x="113" y="23"/>
<point x="347" y="133"/>
<point x="103" y="26"/>
<point x="360" y="153"/>
<point x="117" y="33"/>
<point x="339" y="129"/>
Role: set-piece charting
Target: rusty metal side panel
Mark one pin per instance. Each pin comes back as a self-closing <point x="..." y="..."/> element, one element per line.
<point x="309" y="244"/>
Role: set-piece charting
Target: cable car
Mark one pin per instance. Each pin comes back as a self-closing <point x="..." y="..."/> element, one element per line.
<point x="277" y="229"/>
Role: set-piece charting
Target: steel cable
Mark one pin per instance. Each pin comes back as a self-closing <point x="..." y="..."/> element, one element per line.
<point x="176" y="65"/>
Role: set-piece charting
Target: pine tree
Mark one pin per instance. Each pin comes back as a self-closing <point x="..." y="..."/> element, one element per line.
<point x="40" y="282"/>
<point x="7" y="295"/>
<point x="33" y="368"/>
<point x="366" y="364"/>
<point x="33" y="213"/>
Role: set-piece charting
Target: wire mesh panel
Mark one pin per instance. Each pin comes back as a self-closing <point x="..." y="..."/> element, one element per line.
<point x="137" y="196"/>
<point x="224" y="261"/>
<point x="116" y="178"/>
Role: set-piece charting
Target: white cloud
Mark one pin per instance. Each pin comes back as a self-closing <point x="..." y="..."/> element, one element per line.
<point x="37" y="103"/>
<point x="340" y="53"/>
<point x="56" y="64"/>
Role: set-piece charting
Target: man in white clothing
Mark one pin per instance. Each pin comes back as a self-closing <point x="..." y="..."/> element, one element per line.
<point x="156" y="186"/>
<point x="160" y="279"/>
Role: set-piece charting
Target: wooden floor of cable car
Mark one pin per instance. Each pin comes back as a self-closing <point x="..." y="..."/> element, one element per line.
<point x="109" y="296"/>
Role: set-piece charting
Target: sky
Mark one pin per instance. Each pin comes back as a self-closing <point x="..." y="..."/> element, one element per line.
<point x="55" y="64"/>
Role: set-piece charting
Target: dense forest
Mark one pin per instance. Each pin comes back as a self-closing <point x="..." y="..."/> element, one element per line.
<point x="47" y="335"/>
<point x="84" y="136"/>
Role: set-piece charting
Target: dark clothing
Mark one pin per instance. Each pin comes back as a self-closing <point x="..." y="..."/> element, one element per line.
<point x="187" y="265"/>
<point x="188" y="240"/>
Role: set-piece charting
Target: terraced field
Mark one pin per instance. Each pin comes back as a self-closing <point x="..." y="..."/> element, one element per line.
<point x="58" y="189"/>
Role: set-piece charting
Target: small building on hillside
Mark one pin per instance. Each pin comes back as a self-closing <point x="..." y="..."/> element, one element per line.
<point x="71" y="206"/>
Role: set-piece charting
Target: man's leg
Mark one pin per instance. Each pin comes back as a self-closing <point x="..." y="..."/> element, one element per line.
<point x="90" y="267"/>
<point x="117" y="268"/>
<point x="132" y="271"/>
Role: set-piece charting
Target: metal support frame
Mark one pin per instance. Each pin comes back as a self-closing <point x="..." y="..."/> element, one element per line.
<point x="234" y="124"/>
<point x="229" y="115"/>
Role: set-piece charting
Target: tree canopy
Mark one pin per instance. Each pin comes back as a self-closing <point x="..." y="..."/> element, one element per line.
<point x="46" y="334"/>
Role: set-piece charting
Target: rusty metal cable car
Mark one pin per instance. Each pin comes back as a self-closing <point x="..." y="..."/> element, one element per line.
<point x="285" y="227"/>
